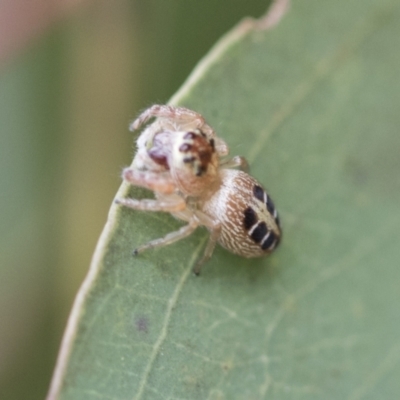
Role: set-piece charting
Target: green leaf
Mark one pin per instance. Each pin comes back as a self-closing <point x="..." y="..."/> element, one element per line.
<point x="314" y="105"/>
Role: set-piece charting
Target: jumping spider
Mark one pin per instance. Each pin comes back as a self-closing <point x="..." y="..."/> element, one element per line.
<point x="180" y="158"/>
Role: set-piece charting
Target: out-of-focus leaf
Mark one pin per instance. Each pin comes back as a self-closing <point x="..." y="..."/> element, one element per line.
<point x="314" y="105"/>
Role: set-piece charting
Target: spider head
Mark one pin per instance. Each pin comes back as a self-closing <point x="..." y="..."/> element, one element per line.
<point x="194" y="161"/>
<point x="194" y="153"/>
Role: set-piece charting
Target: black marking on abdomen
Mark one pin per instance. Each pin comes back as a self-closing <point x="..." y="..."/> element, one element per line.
<point x="270" y="205"/>
<point x="250" y="218"/>
<point x="272" y="210"/>
<point x="259" y="232"/>
<point x="269" y="241"/>
<point x="259" y="193"/>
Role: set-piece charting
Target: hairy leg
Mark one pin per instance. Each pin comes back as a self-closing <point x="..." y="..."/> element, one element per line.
<point x="215" y="231"/>
<point x="179" y="114"/>
<point x="170" y="237"/>
<point x="181" y="119"/>
<point x="156" y="181"/>
<point x="153" y="204"/>
<point x="237" y="161"/>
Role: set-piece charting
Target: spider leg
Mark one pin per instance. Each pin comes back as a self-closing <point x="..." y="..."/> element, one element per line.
<point x="174" y="205"/>
<point x="237" y="161"/>
<point x="221" y="147"/>
<point x="153" y="111"/>
<point x="179" y="115"/>
<point x="180" y="118"/>
<point x="215" y="231"/>
<point x="170" y="237"/>
<point x="155" y="181"/>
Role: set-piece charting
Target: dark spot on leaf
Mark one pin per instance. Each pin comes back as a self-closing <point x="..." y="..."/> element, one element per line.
<point x="142" y="324"/>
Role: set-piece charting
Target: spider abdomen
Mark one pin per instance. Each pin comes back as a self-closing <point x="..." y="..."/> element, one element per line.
<point x="249" y="221"/>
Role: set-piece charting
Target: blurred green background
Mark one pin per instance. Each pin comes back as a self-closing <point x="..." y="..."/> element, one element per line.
<point x="72" y="76"/>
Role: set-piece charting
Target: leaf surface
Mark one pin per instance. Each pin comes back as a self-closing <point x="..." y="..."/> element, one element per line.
<point x="313" y="104"/>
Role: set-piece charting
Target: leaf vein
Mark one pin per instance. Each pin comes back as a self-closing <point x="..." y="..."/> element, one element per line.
<point x="164" y="329"/>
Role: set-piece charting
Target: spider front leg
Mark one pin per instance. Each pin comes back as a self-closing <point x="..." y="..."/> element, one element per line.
<point x="160" y="183"/>
<point x="154" y="111"/>
<point x="179" y="115"/>
<point x="174" y="205"/>
<point x="156" y="181"/>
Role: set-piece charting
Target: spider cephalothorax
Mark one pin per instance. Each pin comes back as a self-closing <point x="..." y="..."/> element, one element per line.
<point x="180" y="158"/>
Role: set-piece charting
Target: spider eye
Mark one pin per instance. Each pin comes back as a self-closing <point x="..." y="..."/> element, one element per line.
<point x="201" y="170"/>
<point x="187" y="160"/>
<point x="212" y="143"/>
<point x="185" y="147"/>
<point x="189" y="135"/>
<point x="159" y="157"/>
